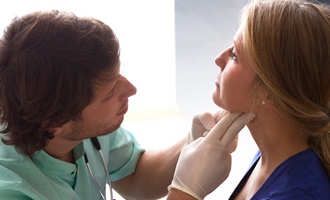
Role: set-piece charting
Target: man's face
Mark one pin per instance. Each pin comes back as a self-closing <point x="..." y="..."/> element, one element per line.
<point x="106" y="112"/>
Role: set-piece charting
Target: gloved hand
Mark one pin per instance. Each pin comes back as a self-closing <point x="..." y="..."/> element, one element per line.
<point x="205" y="163"/>
<point x="202" y="123"/>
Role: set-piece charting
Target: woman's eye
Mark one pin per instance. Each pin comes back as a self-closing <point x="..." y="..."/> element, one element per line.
<point x="232" y="54"/>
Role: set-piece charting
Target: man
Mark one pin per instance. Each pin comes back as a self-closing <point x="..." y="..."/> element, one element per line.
<point x="62" y="103"/>
<point x="60" y="85"/>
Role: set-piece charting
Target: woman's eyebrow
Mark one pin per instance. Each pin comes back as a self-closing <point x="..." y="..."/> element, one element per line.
<point x="237" y="52"/>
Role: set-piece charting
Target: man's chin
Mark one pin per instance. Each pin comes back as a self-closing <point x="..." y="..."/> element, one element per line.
<point x="113" y="128"/>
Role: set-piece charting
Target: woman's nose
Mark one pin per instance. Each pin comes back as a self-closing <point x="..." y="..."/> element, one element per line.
<point x="220" y="61"/>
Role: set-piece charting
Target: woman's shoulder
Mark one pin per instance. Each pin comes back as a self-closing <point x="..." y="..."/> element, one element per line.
<point x="308" y="165"/>
<point x="303" y="174"/>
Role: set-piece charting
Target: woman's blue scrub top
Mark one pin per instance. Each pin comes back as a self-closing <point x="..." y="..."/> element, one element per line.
<point x="300" y="177"/>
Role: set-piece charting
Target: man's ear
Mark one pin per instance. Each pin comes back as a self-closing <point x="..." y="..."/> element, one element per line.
<point x="57" y="130"/>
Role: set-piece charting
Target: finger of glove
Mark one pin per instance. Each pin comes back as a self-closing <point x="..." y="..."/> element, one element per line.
<point x="216" y="118"/>
<point x="220" y="128"/>
<point x="219" y="115"/>
<point x="196" y="118"/>
<point x="197" y="127"/>
<point x="205" y="119"/>
<point x="236" y="127"/>
<point x="192" y="145"/>
<point x="233" y="145"/>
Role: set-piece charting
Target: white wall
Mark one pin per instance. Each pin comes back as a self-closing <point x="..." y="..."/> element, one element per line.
<point x="145" y="29"/>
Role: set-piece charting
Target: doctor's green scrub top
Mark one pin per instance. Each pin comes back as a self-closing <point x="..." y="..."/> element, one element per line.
<point x="43" y="177"/>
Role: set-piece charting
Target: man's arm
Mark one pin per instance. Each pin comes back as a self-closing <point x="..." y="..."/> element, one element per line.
<point x="155" y="168"/>
<point x="153" y="174"/>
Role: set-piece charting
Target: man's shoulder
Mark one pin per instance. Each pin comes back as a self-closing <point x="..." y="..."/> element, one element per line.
<point x="13" y="165"/>
<point x="20" y="177"/>
<point x="12" y="169"/>
<point x="10" y="157"/>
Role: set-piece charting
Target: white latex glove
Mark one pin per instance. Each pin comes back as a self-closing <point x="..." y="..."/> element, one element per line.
<point x="202" y="123"/>
<point x="205" y="163"/>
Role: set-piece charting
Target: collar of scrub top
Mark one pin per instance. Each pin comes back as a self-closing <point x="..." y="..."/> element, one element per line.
<point x="97" y="146"/>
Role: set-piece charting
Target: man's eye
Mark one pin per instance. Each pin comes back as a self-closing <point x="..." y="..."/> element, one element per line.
<point x="112" y="92"/>
<point x="108" y="96"/>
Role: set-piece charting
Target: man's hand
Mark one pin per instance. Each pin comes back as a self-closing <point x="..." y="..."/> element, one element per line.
<point x="202" y="123"/>
<point x="205" y="163"/>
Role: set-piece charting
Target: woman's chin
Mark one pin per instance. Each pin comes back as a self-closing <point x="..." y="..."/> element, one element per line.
<point x="216" y="100"/>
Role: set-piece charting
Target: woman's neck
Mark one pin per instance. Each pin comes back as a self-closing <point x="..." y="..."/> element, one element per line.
<point x="276" y="138"/>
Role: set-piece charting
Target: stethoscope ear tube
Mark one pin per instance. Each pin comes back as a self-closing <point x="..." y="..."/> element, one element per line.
<point x="97" y="145"/>
<point x="93" y="177"/>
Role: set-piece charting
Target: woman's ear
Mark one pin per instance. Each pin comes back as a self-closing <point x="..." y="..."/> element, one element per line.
<point x="263" y="97"/>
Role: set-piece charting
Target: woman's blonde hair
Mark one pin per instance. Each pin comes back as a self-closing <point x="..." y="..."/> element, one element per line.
<point x="288" y="45"/>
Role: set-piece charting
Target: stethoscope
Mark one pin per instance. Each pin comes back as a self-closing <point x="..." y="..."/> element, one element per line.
<point x="97" y="145"/>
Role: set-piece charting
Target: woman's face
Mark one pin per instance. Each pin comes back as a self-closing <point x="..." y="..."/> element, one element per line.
<point x="235" y="79"/>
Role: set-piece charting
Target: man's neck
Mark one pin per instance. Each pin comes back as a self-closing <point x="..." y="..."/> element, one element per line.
<point x="61" y="149"/>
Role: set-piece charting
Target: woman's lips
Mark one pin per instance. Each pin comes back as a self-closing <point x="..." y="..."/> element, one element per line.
<point x="217" y="84"/>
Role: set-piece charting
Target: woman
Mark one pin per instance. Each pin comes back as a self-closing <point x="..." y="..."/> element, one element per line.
<point x="279" y="69"/>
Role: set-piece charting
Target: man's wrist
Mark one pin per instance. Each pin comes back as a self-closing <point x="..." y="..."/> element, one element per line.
<point x="175" y="194"/>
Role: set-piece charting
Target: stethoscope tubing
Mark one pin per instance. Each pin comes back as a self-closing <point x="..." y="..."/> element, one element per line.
<point x="97" y="146"/>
